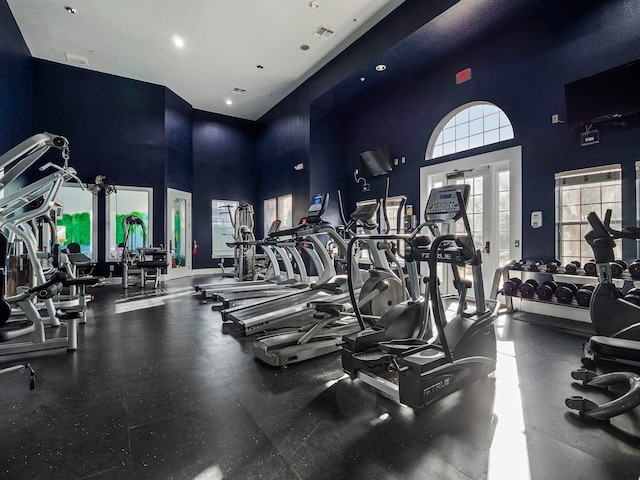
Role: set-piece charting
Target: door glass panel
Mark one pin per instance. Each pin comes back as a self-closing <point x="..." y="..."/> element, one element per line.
<point x="179" y="233"/>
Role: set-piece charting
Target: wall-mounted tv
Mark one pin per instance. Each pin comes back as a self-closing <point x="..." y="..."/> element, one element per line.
<point x="375" y="162"/>
<point x="604" y="96"/>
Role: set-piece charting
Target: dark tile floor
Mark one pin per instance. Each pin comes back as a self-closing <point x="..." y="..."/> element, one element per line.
<point x="158" y="390"/>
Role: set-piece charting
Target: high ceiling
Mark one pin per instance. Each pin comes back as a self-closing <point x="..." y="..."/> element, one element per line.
<point x="263" y="48"/>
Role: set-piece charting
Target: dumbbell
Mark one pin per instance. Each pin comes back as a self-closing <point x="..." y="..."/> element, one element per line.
<point x="634" y="269"/>
<point x="590" y="268"/>
<point x="583" y="295"/>
<point x="545" y="291"/>
<point x="518" y="265"/>
<point x="528" y="289"/>
<point x="617" y="268"/>
<point x="510" y="287"/>
<point x="572" y="267"/>
<point x="535" y="266"/>
<point x="565" y="292"/>
<point x="552" y="266"/>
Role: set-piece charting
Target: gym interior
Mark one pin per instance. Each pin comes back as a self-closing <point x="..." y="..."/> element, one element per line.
<point x="159" y="381"/>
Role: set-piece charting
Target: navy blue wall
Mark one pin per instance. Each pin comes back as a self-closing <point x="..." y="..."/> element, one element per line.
<point x="115" y="127"/>
<point x="224" y="161"/>
<point x="281" y="145"/>
<point x="523" y="71"/>
<point x="327" y="172"/>
<point x="15" y="82"/>
<point x="179" y="146"/>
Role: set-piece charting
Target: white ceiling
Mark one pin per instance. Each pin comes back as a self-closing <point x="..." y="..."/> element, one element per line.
<point x="224" y="42"/>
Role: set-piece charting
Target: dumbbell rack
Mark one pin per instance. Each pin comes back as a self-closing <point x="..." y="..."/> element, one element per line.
<point x="569" y="316"/>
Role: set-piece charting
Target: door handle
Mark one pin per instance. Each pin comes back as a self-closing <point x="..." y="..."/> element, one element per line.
<point x="487" y="247"/>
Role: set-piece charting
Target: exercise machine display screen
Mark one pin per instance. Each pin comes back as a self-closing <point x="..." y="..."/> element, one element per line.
<point x="318" y="205"/>
<point x="444" y="205"/>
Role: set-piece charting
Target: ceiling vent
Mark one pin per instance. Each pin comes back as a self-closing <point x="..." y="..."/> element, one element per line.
<point x="77" y="59"/>
<point x="239" y="91"/>
<point x="323" y="32"/>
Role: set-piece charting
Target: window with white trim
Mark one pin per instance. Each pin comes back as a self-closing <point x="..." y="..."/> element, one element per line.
<point x="222" y="230"/>
<point x="469" y="126"/>
<point x="76" y="223"/>
<point x="125" y="201"/>
<point x="578" y="193"/>
<point x="278" y="208"/>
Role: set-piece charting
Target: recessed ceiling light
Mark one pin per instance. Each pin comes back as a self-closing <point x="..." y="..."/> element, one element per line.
<point x="381" y="68"/>
<point x="178" y="41"/>
<point x="304" y="47"/>
<point x="314" y="4"/>
<point x="228" y="101"/>
<point x="71" y="9"/>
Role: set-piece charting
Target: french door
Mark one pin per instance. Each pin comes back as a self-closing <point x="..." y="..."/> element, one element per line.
<point x="494" y="207"/>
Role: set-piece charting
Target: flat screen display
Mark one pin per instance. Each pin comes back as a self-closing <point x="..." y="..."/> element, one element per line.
<point x="375" y="162"/>
<point x="604" y="96"/>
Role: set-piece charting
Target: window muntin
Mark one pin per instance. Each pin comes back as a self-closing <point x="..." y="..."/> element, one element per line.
<point x="76" y="224"/>
<point x="222" y="218"/>
<point x="578" y="193"/>
<point x="469" y="126"/>
<point x="125" y="201"/>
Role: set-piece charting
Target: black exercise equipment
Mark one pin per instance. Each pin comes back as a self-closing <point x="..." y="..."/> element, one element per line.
<point x="583" y="295"/>
<point x="590" y="268"/>
<point x="633" y="296"/>
<point x="634" y="269"/>
<point x="552" y="266"/>
<point x="528" y="288"/>
<point x="545" y="291"/>
<point x="615" y="319"/>
<point x="565" y="292"/>
<point x="572" y="267"/>
<point x="617" y="268"/>
<point x="591" y="410"/>
<point x="417" y="370"/>
<point x="510" y="287"/>
<point x="535" y="266"/>
<point x="519" y="265"/>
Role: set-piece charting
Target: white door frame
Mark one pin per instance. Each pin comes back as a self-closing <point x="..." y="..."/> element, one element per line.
<point x="187" y="269"/>
<point x="511" y="157"/>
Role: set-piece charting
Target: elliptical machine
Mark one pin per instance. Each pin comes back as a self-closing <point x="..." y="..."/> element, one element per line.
<point x="396" y="355"/>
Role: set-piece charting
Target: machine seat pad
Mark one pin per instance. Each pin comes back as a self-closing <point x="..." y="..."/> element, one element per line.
<point x="615" y="347"/>
<point x="82" y="281"/>
<point x="79" y="259"/>
<point x="152" y="264"/>
<point x="71" y="313"/>
<point x="14" y="329"/>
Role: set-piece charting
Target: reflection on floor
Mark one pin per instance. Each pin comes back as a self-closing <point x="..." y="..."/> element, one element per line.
<point x="157" y="390"/>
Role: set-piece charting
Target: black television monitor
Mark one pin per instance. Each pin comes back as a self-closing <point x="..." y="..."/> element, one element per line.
<point x="375" y="162"/>
<point x="604" y="96"/>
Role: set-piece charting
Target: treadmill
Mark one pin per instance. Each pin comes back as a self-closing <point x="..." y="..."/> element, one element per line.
<point x="254" y="294"/>
<point x="271" y="249"/>
<point x="291" y="311"/>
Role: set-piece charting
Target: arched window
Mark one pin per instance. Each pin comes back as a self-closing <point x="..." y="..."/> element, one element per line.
<point x="469" y="126"/>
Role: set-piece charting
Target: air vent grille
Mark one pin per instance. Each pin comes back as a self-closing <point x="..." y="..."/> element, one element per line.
<point x="77" y="59"/>
<point x="239" y="91"/>
<point x="323" y="32"/>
